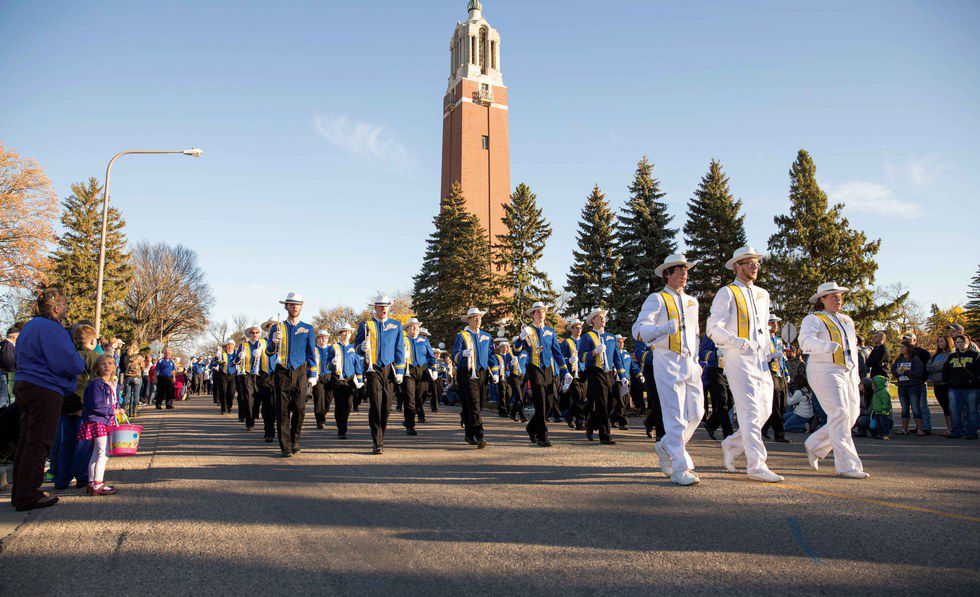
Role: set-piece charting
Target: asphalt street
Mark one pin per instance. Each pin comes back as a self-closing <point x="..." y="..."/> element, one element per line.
<point x="207" y="507"/>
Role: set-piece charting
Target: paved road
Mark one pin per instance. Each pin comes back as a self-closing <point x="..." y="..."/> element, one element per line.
<point x="207" y="507"/>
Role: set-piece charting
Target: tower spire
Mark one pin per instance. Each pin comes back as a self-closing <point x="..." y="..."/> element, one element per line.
<point x="475" y="8"/>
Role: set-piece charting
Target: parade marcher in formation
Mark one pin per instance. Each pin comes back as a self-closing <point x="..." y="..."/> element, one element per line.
<point x="654" y="421"/>
<point x="668" y="322"/>
<point x="574" y="397"/>
<point x="166" y="368"/>
<point x="420" y="363"/>
<point x="737" y="324"/>
<point x="828" y="336"/>
<point x="618" y="414"/>
<point x="253" y="368"/>
<point x="715" y="387"/>
<point x="498" y="366"/>
<point x="471" y="356"/>
<point x="516" y="363"/>
<point x="381" y="342"/>
<point x="540" y="341"/>
<point x="427" y="385"/>
<point x="599" y="351"/>
<point x="780" y="378"/>
<point x="346" y="376"/>
<point x="323" y="390"/>
<point x="436" y="385"/>
<point x="292" y="342"/>
<point x="637" y="381"/>
<point x="215" y="368"/>
<point x="227" y="370"/>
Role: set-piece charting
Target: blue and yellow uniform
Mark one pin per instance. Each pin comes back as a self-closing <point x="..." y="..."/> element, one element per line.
<point x="545" y="360"/>
<point x="602" y="371"/>
<point x="472" y="382"/>
<point x="386" y="356"/>
<point x="614" y="357"/>
<point x="348" y="375"/>
<point x="294" y="345"/>
<point x="542" y="348"/>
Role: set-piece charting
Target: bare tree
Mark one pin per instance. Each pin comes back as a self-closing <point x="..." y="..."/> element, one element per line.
<point x="169" y="298"/>
<point x="240" y="323"/>
<point x="332" y="318"/>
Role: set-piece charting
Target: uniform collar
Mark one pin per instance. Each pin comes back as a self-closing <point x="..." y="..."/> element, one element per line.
<point x="739" y="282"/>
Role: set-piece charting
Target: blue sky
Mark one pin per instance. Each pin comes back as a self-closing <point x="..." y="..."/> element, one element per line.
<point x="321" y="123"/>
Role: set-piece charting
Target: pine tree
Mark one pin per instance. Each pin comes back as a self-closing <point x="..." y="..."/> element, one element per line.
<point x="815" y="244"/>
<point x="595" y="269"/>
<point x="715" y="228"/>
<point x="517" y="253"/>
<point x="455" y="273"/>
<point x="645" y="240"/>
<point x="972" y="306"/>
<point x="76" y="259"/>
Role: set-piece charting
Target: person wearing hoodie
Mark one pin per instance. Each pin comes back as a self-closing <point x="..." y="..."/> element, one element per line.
<point x="962" y="374"/>
<point x="881" y="408"/>
<point x="909" y="373"/>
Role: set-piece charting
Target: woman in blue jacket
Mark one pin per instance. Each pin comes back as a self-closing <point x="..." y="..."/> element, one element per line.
<point x="47" y="365"/>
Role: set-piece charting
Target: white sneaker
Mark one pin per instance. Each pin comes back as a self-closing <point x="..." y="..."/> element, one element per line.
<point x="685" y="478"/>
<point x="813" y="460"/>
<point x="855" y="475"/>
<point x="766" y="477"/>
<point x="728" y="459"/>
<point x="666" y="466"/>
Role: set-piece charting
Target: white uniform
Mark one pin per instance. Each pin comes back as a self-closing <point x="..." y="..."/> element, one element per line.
<point x="746" y="367"/>
<point x="836" y="386"/>
<point x="678" y="376"/>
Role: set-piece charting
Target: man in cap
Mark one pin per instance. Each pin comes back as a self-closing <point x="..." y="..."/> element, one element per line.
<point x="603" y="368"/>
<point x="668" y="322"/>
<point x="293" y="343"/>
<point x="574" y="396"/>
<point x="828" y="336"/>
<point x="346" y="368"/>
<point x="420" y="364"/>
<point x="254" y="371"/>
<point x="228" y="369"/>
<point x="471" y="356"/>
<point x="381" y="341"/>
<point x="780" y="383"/>
<point x="323" y="390"/>
<point x="737" y="324"/>
<point x="544" y="355"/>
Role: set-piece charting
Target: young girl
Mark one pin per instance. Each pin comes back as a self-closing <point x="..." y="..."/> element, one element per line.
<point x="98" y="414"/>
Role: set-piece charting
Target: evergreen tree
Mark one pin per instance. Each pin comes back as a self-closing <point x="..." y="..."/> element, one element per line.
<point x="715" y="228"/>
<point x="455" y="273"/>
<point x="815" y="244"/>
<point x="972" y="306"/>
<point x="76" y="259"/>
<point x="595" y="269"/>
<point x="645" y="240"/>
<point x="517" y="253"/>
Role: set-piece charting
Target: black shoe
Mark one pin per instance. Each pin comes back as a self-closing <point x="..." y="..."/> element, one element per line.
<point x="570" y="423"/>
<point x="589" y="435"/>
<point x="624" y="427"/>
<point x="170" y="407"/>
<point x="249" y="428"/>
<point x="421" y="419"/>
<point x="765" y="435"/>
<point x="287" y="454"/>
<point x="295" y="448"/>
<point x="523" y="419"/>
<point x="579" y="427"/>
<point x="544" y="443"/>
<point x="607" y="441"/>
<point x="513" y="417"/>
<point x="928" y="431"/>
<point x="159" y="407"/>
<point x="784" y="440"/>
<point x="435" y="410"/>
<point x="319" y="425"/>
<point x="711" y="434"/>
<point x="268" y="440"/>
<point x="45" y="502"/>
<point x="501" y="414"/>
<point x="471" y="441"/>
<point x="341" y="436"/>
<point x="649" y="431"/>
<point x="481" y="444"/>
<point x="411" y="432"/>
<point x="378" y="450"/>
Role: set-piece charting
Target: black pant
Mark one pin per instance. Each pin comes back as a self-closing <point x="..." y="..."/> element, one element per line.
<point x="40" y="412"/>
<point x="226" y="391"/>
<point x="516" y="406"/>
<point x="942" y="397"/>
<point x="542" y="381"/>
<point x="655" y="414"/>
<point x="636" y="393"/>
<point x="290" y="392"/>
<point x="503" y="395"/>
<point x="435" y="389"/>
<point x="407" y="391"/>
<point x="600" y="388"/>
<point x="196" y="381"/>
<point x="343" y="395"/>
<point x="473" y="395"/>
<point x="322" y="397"/>
<point x="575" y="400"/>
<point x="249" y="398"/>
<point x="145" y="390"/>
<point x="617" y="404"/>
<point x="240" y="391"/>
<point x="265" y="404"/>
<point x="165" y="391"/>
<point x="719" y="403"/>
<point x="379" y="388"/>
<point x="775" y="420"/>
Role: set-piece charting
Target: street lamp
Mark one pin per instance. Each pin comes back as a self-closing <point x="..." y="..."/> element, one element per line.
<point x="193" y="152"/>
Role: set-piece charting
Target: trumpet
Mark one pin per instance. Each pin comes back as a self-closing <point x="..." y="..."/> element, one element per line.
<point x="472" y="360"/>
<point x="368" y="357"/>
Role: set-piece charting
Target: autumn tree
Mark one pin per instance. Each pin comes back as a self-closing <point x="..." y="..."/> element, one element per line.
<point x="332" y="318"/>
<point x="27" y="208"/>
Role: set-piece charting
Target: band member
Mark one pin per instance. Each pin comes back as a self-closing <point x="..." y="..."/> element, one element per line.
<point x="471" y="356"/>
<point x="427" y="385"/>
<point x="380" y="340"/>
<point x="655" y="418"/>
<point x="420" y="364"/>
<point x="603" y="367"/>
<point x="293" y="343"/>
<point x="617" y="415"/>
<point x="323" y="390"/>
<point x="668" y="321"/>
<point x="437" y="385"/>
<point x="215" y="367"/>
<point x="498" y="368"/>
<point x="574" y="396"/>
<point x="780" y="387"/>
<point x="228" y="366"/>
<point x="637" y="380"/>
<point x="828" y="336"/>
<point x="254" y="370"/>
<point x="544" y="355"/>
<point x="737" y="324"/>
<point x="714" y="368"/>
<point x="346" y="368"/>
<point x="516" y="363"/>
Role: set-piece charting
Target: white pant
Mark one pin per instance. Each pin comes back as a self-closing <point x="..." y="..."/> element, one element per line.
<point x="838" y="391"/>
<point x="751" y="385"/>
<point x="678" y="382"/>
<point x="100" y="457"/>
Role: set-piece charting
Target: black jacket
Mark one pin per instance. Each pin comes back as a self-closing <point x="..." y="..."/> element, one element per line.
<point x="962" y="370"/>
<point x="878" y="362"/>
<point x="8" y="360"/>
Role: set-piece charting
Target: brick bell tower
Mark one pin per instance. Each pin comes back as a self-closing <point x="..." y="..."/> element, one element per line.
<point x="475" y="136"/>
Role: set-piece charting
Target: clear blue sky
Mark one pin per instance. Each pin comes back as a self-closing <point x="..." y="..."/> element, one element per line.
<point x="321" y="123"/>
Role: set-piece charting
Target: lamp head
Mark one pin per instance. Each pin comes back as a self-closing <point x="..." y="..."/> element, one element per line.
<point x="195" y="152"/>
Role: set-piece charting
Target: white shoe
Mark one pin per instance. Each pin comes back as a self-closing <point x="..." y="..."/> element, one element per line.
<point x="729" y="459"/>
<point x="855" y="475"/>
<point x="766" y="477"/>
<point x="666" y="466"/>
<point x="813" y="460"/>
<point x="685" y="478"/>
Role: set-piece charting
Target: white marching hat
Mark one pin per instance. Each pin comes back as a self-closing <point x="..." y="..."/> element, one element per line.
<point x="345" y="328"/>
<point x="825" y="289"/>
<point x="501" y="340"/>
<point x="620" y="337"/>
<point x="773" y="318"/>
<point x="671" y="261"/>
<point x="537" y="305"/>
<point x="424" y="332"/>
<point x="573" y="321"/>
<point x="742" y="253"/>
<point x="229" y="341"/>
<point x="595" y="312"/>
<point x="381" y="300"/>
<point x="412" y="321"/>
<point x="472" y="312"/>
<point x="254" y="327"/>
<point x="293" y="298"/>
<point x="323" y="333"/>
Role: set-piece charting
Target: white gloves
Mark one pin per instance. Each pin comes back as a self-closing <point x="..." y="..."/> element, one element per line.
<point x="624" y="388"/>
<point x="433" y="374"/>
<point x="671" y="327"/>
<point x="641" y="378"/>
<point x="366" y="346"/>
<point x="358" y="384"/>
<point x="523" y="335"/>
<point x="833" y="347"/>
<point x="312" y="381"/>
<point x="399" y="377"/>
<point x="336" y="362"/>
<point x="747" y="346"/>
<point x="467" y="353"/>
<point x="598" y="351"/>
<point x="573" y="361"/>
<point x="495" y="377"/>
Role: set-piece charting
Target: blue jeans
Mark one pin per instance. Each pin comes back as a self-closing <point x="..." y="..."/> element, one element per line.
<point x="131" y="391"/>
<point x="959" y="399"/>
<point x="793" y="422"/>
<point x="913" y="397"/>
<point x="4" y="390"/>
<point x="73" y="454"/>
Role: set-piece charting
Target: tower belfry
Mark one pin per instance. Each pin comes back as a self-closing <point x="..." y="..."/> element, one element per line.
<point x="475" y="136"/>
